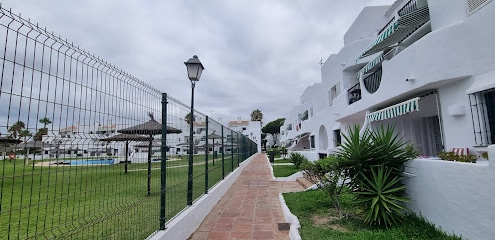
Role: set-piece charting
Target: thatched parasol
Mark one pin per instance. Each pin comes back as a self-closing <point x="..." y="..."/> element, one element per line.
<point x="126" y="138"/>
<point x="151" y="127"/>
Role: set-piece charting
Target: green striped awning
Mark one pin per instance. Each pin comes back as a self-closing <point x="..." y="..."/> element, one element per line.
<point x="370" y="65"/>
<point x="397" y="31"/>
<point x="395" y="110"/>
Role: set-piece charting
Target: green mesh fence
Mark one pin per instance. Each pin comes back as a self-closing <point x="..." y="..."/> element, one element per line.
<point x="84" y="151"/>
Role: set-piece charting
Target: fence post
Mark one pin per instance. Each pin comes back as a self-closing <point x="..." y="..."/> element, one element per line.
<point x="163" y="166"/>
<point x="223" y="157"/>
<point x="232" y="150"/>
<point x="206" y="157"/>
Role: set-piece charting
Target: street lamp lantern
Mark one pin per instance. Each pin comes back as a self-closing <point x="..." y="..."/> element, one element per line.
<point x="194" y="68"/>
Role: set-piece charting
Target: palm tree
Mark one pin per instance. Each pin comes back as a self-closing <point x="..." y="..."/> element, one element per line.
<point x="16" y="129"/>
<point x="256" y="115"/>
<point x="45" y="121"/>
<point x="38" y="136"/>
<point x="187" y="118"/>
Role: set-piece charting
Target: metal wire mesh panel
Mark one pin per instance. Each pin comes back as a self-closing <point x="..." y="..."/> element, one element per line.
<point x="59" y="177"/>
<point x="89" y="151"/>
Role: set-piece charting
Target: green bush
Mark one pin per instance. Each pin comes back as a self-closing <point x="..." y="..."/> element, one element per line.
<point x="411" y="152"/>
<point x="382" y="193"/>
<point x="298" y="159"/>
<point x="328" y="175"/>
<point x="275" y="151"/>
<point x="451" y="156"/>
<point x="362" y="155"/>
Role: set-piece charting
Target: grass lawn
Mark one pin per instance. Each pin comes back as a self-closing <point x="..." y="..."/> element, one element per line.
<point x="282" y="160"/>
<point x="319" y="221"/>
<point x="284" y="170"/>
<point x="96" y="202"/>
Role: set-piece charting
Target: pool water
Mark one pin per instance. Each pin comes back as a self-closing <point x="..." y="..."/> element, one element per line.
<point x="108" y="161"/>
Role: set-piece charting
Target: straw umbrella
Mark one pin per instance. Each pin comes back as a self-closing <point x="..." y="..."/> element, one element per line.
<point x="127" y="138"/>
<point x="149" y="128"/>
<point x="214" y="136"/>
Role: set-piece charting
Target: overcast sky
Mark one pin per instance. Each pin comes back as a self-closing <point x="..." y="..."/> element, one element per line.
<point x="258" y="54"/>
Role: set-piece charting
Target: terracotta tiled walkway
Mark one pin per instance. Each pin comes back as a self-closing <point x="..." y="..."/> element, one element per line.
<point x="250" y="209"/>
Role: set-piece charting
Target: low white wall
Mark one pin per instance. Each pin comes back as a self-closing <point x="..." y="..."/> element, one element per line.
<point x="182" y="226"/>
<point x="457" y="197"/>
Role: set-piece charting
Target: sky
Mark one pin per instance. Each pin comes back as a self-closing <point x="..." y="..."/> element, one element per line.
<point x="257" y="54"/>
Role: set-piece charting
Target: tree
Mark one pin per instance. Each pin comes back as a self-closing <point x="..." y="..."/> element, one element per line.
<point x="16" y="129"/>
<point x="38" y="136"/>
<point x="273" y="128"/>
<point x="256" y="115"/>
<point x="24" y="134"/>
<point x="45" y="121"/>
<point x="187" y="118"/>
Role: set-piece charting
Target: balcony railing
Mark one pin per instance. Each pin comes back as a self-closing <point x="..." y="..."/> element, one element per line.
<point x="354" y="94"/>
<point x="372" y="81"/>
<point x="386" y="26"/>
<point x="411" y="6"/>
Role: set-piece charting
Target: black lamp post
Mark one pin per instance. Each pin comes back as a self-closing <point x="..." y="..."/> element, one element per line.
<point x="194" y="70"/>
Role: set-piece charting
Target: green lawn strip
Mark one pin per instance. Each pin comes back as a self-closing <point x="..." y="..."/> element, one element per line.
<point x="284" y="170"/>
<point x="94" y="202"/>
<point x="282" y="161"/>
<point x="319" y="221"/>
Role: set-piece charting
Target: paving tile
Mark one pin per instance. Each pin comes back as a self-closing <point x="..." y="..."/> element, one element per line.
<point x="250" y="209"/>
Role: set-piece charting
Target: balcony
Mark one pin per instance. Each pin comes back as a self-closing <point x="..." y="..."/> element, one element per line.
<point x="413" y="15"/>
<point x="354" y="94"/>
<point x="372" y="81"/>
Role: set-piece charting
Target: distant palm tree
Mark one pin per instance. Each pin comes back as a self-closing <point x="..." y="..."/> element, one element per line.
<point x="25" y="134"/>
<point x="45" y="121"/>
<point x="38" y="136"/>
<point x="187" y="118"/>
<point x="256" y="115"/>
<point x="16" y="129"/>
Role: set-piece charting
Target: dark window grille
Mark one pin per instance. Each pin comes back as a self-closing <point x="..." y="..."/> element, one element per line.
<point x="372" y="81"/>
<point x="483" y="116"/>
<point x="354" y="94"/>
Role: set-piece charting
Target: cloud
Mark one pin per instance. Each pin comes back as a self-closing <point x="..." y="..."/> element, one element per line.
<point x="258" y="54"/>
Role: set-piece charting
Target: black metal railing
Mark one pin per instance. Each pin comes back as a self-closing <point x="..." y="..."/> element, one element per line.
<point x="354" y="94"/>
<point x="89" y="151"/>
<point x="409" y="7"/>
<point x="372" y="81"/>
<point x="386" y="25"/>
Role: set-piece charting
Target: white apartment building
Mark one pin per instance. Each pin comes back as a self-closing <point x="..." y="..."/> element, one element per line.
<point x="427" y="67"/>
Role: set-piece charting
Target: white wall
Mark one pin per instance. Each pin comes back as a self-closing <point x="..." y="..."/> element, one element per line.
<point x="457" y="197"/>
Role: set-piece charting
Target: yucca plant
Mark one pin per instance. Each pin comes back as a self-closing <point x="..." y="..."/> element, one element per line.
<point x="362" y="154"/>
<point x="382" y="194"/>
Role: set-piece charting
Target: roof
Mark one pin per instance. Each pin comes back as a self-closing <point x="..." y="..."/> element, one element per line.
<point x="238" y="123"/>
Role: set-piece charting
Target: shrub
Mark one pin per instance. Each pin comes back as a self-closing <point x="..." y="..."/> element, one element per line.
<point x="327" y="174"/>
<point x="372" y="159"/>
<point x="451" y="156"/>
<point x="411" y="152"/>
<point x="298" y="159"/>
<point x="382" y="192"/>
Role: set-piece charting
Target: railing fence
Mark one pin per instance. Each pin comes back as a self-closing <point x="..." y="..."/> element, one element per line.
<point x="84" y="153"/>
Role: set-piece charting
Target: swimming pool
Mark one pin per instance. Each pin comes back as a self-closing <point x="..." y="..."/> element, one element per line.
<point x="102" y="161"/>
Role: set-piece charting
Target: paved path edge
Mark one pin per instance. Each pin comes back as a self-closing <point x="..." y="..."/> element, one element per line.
<point x="186" y="223"/>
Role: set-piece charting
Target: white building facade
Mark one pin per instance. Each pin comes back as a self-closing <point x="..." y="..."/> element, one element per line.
<point x="426" y="67"/>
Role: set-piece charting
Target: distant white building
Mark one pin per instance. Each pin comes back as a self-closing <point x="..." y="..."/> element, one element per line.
<point x="251" y="129"/>
<point x="427" y="67"/>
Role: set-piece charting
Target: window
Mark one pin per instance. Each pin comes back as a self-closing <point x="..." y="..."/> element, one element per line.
<point x="337" y="138"/>
<point x="333" y="93"/>
<point x="312" y="141"/>
<point x="483" y="116"/>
